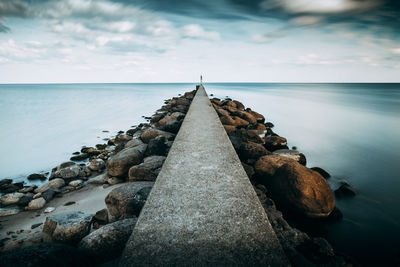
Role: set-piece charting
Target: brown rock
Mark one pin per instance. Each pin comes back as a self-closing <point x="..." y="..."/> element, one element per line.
<point x="148" y="170"/>
<point x="301" y="190"/>
<point x="151" y="133"/>
<point x="273" y="143"/>
<point x="176" y="116"/>
<point x="119" y="164"/>
<point x="260" y="118"/>
<point x="292" y="154"/>
<point x="239" y="105"/>
<point x="267" y="165"/>
<point x="235" y="121"/>
<point x="222" y="112"/>
<point x="246" y="116"/>
<point x="252" y="150"/>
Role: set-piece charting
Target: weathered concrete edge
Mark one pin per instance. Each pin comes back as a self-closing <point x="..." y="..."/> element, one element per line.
<point x="273" y="253"/>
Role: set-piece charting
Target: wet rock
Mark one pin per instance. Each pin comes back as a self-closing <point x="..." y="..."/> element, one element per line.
<point x="67" y="227"/>
<point x="8" y="212"/>
<point x="100" y="218"/>
<point x="56" y="183"/>
<point x="151" y="133"/>
<point x="321" y="171"/>
<point x="134" y="142"/>
<point x="49" y="209"/>
<point x="24" y="201"/>
<point x="36" y="225"/>
<point x="4" y="182"/>
<point x="273" y="143"/>
<point x="319" y="251"/>
<point x="119" y="164"/>
<point x="109" y="241"/>
<point x="76" y="183"/>
<point x="119" y="201"/>
<point x="140" y="199"/>
<point x="252" y="150"/>
<point x="292" y="154"/>
<point x="301" y="190"/>
<point x="345" y="190"/>
<point x="36" y="204"/>
<point x="148" y="170"/>
<point x="49" y="194"/>
<point x="45" y="254"/>
<point x="157" y="146"/>
<point x="69" y="203"/>
<point x="28" y="189"/>
<point x="100" y="179"/>
<point x="36" y="176"/>
<point x="9" y="187"/>
<point x="96" y="165"/>
<point x="11" y="198"/>
<point x="80" y="157"/>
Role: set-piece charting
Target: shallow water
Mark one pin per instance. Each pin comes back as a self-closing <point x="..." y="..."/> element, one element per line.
<point x="351" y="130"/>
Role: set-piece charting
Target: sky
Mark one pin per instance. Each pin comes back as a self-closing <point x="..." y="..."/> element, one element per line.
<point x="83" y="41"/>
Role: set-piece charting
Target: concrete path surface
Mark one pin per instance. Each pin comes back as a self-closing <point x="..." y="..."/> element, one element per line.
<point x="202" y="209"/>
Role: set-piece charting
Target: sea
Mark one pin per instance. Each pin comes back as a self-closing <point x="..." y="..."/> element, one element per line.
<point x="351" y="130"/>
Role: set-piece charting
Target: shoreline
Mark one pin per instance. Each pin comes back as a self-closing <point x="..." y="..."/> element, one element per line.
<point x="152" y="130"/>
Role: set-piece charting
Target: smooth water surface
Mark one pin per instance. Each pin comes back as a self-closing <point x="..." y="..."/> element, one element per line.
<point x="351" y="130"/>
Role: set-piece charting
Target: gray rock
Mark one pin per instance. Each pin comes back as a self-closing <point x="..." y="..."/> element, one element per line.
<point x="100" y="179"/>
<point x="10" y="199"/>
<point x="67" y="227"/>
<point x="119" y="201"/>
<point x="36" y="204"/>
<point x="36" y="176"/>
<point x="109" y="241"/>
<point x="8" y="212"/>
<point x="96" y="165"/>
<point x="76" y="183"/>
<point x="148" y="170"/>
<point x="151" y="133"/>
<point x="56" y="183"/>
<point x="140" y="199"/>
<point x="27" y="189"/>
<point x="24" y="201"/>
<point x="49" y="209"/>
<point x="134" y="142"/>
<point x="115" y="180"/>
<point x="119" y="164"/>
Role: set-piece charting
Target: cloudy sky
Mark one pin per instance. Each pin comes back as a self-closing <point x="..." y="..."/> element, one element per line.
<point x="175" y="41"/>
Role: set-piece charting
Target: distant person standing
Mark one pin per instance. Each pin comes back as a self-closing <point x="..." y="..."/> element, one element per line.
<point x="201" y="79"/>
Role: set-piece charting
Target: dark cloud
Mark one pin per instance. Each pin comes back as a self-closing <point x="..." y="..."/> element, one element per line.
<point x="11" y="8"/>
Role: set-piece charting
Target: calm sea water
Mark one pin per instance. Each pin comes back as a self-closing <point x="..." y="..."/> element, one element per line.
<point x="351" y="130"/>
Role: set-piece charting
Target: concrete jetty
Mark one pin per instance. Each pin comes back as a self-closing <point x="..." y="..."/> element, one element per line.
<point x="202" y="210"/>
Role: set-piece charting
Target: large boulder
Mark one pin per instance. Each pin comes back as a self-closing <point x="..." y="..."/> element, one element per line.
<point x="68" y="227"/>
<point x="36" y="176"/>
<point x="11" y="199"/>
<point x="157" y="146"/>
<point x="273" y="143"/>
<point x="301" y="190"/>
<point x="119" y="164"/>
<point x="151" y="133"/>
<point x="148" y="170"/>
<point x="45" y="254"/>
<point x="260" y="118"/>
<point x="267" y="165"/>
<point x="120" y="202"/>
<point x="108" y="242"/>
<point x="176" y="116"/>
<point x="56" y="183"/>
<point x="252" y="150"/>
<point x="96" y="165"/>
<point x="67" y="171"/>
<point x="292" y="154"/>
<point x="246" y="116"/>
<point x="235" y="121"/>
<point x="36" y="204"/>
<point x="134" y="142"/>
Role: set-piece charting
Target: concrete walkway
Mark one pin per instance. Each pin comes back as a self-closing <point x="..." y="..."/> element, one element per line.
<point x="202" y="209"/>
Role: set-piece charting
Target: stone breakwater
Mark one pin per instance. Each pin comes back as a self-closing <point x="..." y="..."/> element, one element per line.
<point x="134" y="158"/>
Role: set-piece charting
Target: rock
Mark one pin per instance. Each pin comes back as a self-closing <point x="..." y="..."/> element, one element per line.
<point x="229" y="128"/>
<point x="9" y="187"/>
<point x="134" y="142"/>
<point x="100" y="218"/>
<point x="36" y="225"/>
<point x="246" y="136"/>
<point x="321" y="171"/>
<point x="70" y="172"/>
<point x="246" y="116"/>
<point x="148" y="170"/>
<point x="56" y="183"/>
<point x="248" y="169"/>
<point x="140" y="199"/>
<point x="68" y="227"/>
<point x="235" y="121"/>
<point x="239" y="105"/>
<point x="8" y="212"/>
<point x="37" y="195"/>
<point x="100" y="179"/>
<point x="119" y="200"/>
<point x="151" y="133"/>
<point x="176" y="116"/>
<point x="11" y="198"/>
<point x="49" y="209"/>
<point x="320" y="252"/>
<point x="36" y="204"/>
<point x="24" y="201"/>
<point x="45" y="254"/>
<point x="260" y="118"/>
<point x="115" y="180"/>
<point x="122" y="139"/>
<point x="267" y="165"/>
<point x="292" y="154"/>
<point x="4" y="182"/>
<point x="96" y="165"/>
<point x="301" y="190"/>
<point x="344" y="191"/>
<point x="109" y="241"/>
<point x="76" y="183"/>
<point x="157" y="146"/>
<point x="27" y="189"/>
<point x="172" y="126"/>
<point x="69" y="203"/>
<point x="36" y="176"/>
<point x="119" y="164"/>
<point x="273" y="143"/>
<point x="252" y="150"/>
<point x="49" y="194"/>
<point x="222" y="112"/>
<point x="79" y="157"/>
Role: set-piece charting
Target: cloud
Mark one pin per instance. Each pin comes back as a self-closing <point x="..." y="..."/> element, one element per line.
<point x="11" y="8"/>
<point x="269" y="37"/>
<point x="197" y="32"/>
